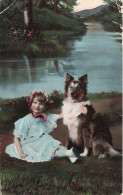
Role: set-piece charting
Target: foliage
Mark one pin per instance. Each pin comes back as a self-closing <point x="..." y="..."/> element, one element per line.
<point x="114" y="3"/>
<point x="64" y="7"/>
<point x="111" y="17"/>
<point x="34" y="48"/>
<point x="36" y="43"/>
<point x="47" y="19"/>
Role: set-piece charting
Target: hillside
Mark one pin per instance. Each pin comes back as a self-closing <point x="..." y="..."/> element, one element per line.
<point x="91" y="12"/>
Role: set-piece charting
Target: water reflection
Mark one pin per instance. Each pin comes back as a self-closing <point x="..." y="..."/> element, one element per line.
<point x="18" y="78"/>
<point x="30" y="70"/>
<point x="96" y="54"/>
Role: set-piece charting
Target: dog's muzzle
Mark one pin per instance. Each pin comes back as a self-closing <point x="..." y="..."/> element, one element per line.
<point x="74" y="95"/>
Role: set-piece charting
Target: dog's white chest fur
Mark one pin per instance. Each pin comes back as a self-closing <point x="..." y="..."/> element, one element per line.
<point x="71" y="110"/>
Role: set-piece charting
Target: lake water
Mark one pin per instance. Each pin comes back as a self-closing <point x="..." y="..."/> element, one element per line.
<point x="97" y="54"/>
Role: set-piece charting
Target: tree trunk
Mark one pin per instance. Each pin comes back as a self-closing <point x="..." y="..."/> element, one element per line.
<point x="41" y="3"/>
<point x="28" y="19"/>
<point x="55" y="5"/>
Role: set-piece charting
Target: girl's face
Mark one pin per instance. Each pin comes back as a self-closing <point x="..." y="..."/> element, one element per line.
<point x="37" y="106"/>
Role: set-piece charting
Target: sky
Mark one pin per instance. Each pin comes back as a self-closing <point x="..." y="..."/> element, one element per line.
<point x="87" y="4"/>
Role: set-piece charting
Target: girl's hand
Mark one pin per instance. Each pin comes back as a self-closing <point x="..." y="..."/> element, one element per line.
<point x="60" y="116"/>
<point x="18" y="146"/>
<point x="22" y="155"/>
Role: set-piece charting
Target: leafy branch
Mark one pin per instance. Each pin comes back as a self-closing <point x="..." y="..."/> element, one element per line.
<point x="7" y="7"/>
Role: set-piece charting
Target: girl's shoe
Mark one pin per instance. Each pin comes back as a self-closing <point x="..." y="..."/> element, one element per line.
<point x="72" y="156"/>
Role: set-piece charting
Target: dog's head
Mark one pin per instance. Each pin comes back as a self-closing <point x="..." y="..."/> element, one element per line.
<point x="77" y="90"/>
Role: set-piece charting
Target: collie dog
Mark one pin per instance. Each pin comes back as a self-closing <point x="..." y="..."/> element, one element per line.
<point x="79" y="115"/>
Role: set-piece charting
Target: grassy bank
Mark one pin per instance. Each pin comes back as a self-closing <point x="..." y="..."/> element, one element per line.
<point x="48" y="38"/>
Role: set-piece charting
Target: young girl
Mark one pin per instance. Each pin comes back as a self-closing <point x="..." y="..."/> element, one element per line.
<point x="32" y="141"/>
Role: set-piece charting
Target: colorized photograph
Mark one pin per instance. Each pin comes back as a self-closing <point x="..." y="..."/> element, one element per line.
<point x="61" y="97"/>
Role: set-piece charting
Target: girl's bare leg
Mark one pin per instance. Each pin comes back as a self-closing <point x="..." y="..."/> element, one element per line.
<point x="56" y="152"/>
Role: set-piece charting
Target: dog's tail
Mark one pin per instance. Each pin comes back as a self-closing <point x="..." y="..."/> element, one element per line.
<point x="103" y="148"/>
<point x="110" y="150"/>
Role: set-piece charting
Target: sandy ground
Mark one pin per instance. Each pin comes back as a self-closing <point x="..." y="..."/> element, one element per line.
<point x="61" y="133"/>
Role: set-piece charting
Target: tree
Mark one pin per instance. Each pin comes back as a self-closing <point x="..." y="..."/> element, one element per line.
<point x="61" y="6"/>
<point x="116" y="4"/>
<point x="66" y="6"/>
<point x="41" y="3"/>
<point x="28" y="19"/>
<point x="118" y="7"/>
<point x="55" y="5"/>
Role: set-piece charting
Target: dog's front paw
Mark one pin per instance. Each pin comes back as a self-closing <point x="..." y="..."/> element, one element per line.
<point x="72" y="156"/>
<point x="85" y="153"/>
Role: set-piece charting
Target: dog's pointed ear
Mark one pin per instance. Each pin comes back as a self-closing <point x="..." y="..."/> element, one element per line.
<point x="69" y="77"/>
<point x="83" y="79"/>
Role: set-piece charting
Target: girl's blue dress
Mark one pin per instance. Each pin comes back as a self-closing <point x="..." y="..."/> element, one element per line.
<point x="34" y="138"/>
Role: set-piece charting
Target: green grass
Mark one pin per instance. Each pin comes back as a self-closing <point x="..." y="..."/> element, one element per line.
<point x="88" y="176"/>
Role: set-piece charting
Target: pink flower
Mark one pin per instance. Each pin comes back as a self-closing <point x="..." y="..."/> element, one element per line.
<point x="24" y="167"/>
<point x="28" y="35"/>
<point x="99" y="94"/>
<point x="101" y="172"/>
<point x="111" y="116"/>
<point x="56" y="92"/>
<point x="73" y="173"/>
<point x="109" y="169"/>
<point x="108" y="113"/>
<point x="86" y="165"/>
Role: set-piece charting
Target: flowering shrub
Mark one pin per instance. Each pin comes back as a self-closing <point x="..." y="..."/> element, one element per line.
<point x="16" y="34"/>
<point x="106" y="94"/>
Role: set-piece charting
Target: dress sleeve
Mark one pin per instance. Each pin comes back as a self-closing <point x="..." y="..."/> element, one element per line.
<point x="21" y="128"/>
<point x="51" y="122"/>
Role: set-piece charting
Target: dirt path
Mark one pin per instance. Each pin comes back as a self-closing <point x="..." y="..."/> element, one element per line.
<point x="108" y="104"/>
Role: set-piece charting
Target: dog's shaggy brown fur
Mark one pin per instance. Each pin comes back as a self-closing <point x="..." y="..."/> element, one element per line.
<point x="79" y="115"/>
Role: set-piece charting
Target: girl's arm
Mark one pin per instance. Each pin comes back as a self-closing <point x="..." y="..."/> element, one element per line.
<point x="18" y="146"/>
